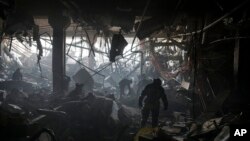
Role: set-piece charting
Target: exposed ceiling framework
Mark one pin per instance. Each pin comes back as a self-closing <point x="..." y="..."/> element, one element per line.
<point x="175" y="21"/>
<point x="173" y="16"/>
<point x="189" y="40"/>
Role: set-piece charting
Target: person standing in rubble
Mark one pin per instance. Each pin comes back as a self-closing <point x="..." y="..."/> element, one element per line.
<point x="153" y="93"/>
<point x="125" y="83"/>
<point x="17" y="75"/>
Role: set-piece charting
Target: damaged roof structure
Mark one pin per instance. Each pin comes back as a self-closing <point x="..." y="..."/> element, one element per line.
<point x="70" y="55"/>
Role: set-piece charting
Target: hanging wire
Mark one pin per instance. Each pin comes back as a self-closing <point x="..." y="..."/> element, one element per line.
<point x="72" y="38"/>
<point x="89" y="41"/>
<point x="143" y="14"/>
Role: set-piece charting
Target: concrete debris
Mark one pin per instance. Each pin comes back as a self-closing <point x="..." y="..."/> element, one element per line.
<point x="74" y="70"/>
<point x="97" y="114"/>
<point x="211" y="124"/>
<point x="114" y="114"/>
<point x="128" y="115"/>
<point x="51" y="112"/>
<point x="83" y="77"/>
<point x="84" y="115"/>
<point x="171" y="130"/>
<point x="22" y="85"/>
<point x="153" y="134"/>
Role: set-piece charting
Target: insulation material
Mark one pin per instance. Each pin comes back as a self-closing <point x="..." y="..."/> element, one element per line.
<point x="185" y="85"/>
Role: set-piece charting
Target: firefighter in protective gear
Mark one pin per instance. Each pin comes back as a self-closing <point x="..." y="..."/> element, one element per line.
<point x="153" y="93"/>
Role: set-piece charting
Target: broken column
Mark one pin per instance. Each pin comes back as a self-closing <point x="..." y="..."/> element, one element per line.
<point x="59" y="23"/>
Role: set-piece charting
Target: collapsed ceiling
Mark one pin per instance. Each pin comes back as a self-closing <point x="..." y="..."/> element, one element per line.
<point x="171" y="32"/>
<point x="173" y="16"/>
<point x="198" y="49"/>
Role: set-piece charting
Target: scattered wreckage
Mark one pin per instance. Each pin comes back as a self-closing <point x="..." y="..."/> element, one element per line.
<point x="91" y="118"/>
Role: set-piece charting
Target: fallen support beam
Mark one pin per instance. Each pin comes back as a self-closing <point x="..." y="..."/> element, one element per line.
<point x="52" y="112"/>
